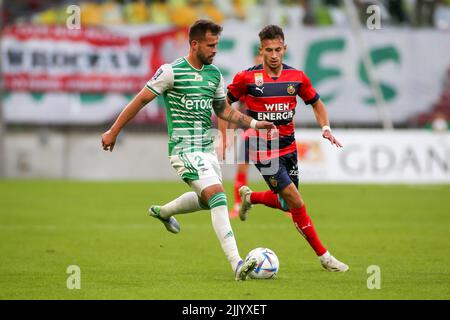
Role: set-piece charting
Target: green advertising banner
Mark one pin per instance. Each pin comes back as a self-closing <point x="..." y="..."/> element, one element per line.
<point x="410" y="65"/>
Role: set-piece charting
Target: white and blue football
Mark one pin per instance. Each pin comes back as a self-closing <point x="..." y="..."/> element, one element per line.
<point x="268" y="263"/>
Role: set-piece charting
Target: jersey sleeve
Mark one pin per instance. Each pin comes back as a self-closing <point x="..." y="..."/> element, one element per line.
<point x="307" y="91"/>
<point x="220" y="92"/>
<point x="238" y="88"/>
<point x="161" y="80"/>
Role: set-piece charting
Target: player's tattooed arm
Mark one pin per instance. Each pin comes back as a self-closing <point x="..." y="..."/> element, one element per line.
<point x="219" y="106"/>
<point x="225" y="112"/>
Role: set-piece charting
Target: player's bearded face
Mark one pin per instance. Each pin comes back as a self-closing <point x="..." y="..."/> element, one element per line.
<point x="207" y="48"/>
<point x="273" y="51"/>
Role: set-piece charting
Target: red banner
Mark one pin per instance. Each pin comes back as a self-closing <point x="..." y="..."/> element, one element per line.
<point x="56" y="59"/>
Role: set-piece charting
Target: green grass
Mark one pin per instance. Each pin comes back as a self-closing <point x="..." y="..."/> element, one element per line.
<point x="45" y="226"/>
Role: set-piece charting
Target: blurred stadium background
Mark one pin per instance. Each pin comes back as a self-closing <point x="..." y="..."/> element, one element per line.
<point x="62" y="86"/>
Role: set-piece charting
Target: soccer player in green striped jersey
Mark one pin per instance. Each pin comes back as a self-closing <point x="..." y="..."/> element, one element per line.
<point x="192" y="88"/>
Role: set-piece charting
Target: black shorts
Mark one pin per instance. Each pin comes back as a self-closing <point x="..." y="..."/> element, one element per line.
<point x="283" y="174"/>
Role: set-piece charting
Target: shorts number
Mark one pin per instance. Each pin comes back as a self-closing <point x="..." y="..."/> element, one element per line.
<point x="293" y="172"/>
<point x="199" y="161"/>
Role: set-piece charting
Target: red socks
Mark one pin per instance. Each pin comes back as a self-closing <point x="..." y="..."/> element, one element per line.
<point x="300" y="218"/>
<point x="306" y="228"/>
<point x="241" y="180"/>
<point x="268" y="198"/>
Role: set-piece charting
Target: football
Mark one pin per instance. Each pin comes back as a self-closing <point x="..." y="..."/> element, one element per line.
<point x="268" y="263"/>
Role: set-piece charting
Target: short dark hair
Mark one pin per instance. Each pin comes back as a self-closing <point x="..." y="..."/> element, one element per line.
<point x="198" y="30"/>
<point x="271" y="32"/>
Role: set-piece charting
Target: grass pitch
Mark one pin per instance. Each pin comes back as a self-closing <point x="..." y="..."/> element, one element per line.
<point x="46" y="226"/>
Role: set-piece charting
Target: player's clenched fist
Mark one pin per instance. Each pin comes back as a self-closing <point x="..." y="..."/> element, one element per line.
<point x="108" y="140"/>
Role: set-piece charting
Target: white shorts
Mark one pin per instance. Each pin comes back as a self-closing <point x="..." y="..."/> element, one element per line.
<point x="198" y="169"/>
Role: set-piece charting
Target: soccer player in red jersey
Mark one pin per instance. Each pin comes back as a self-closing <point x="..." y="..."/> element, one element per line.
<point x="269" y="92"/>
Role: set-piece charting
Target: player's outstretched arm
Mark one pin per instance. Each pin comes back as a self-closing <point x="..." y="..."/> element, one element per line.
<point x="322" y="119"/>
<point x="128" y="113"/>
<point x="225" y="112"/>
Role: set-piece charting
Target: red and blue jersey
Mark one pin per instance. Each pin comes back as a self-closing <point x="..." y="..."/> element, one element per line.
<point x="272" y="99"/>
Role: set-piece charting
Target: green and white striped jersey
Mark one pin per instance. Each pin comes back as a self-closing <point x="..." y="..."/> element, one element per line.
<point x="188" y="96"/>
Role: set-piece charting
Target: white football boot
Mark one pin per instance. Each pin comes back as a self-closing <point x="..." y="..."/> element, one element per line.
<point x="332" y="264"/>
<point x="244" y="268"/>
<point x="246" y="205"/>
<point x="171" y="224"/>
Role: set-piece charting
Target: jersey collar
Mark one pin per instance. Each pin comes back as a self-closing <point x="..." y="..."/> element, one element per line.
<point x="185" y="59"/>
<point x="276" y="78"/>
